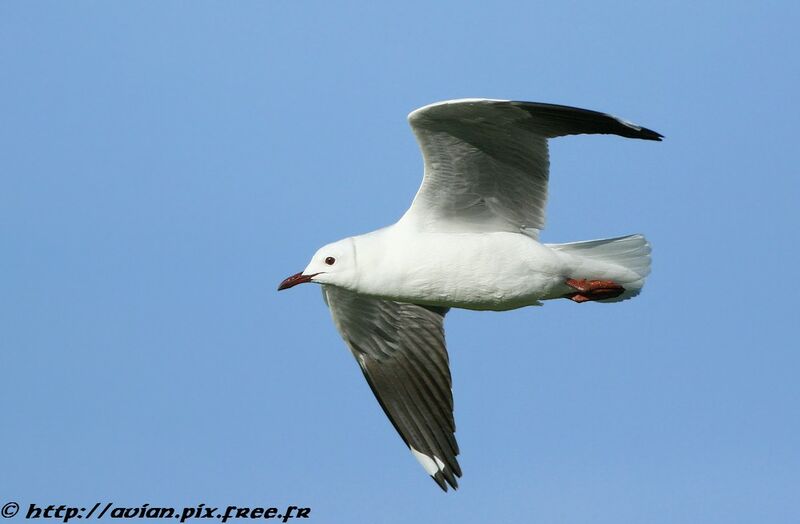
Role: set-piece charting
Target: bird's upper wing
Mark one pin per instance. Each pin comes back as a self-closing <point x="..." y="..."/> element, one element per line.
<point x="401" y="350"/>
<point x="486" y="161"/>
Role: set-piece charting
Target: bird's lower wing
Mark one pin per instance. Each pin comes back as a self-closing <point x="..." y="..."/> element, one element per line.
<point x="401" y="350"/>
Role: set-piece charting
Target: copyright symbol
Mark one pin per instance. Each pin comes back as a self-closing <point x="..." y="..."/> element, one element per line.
<point x="10" y="509"/>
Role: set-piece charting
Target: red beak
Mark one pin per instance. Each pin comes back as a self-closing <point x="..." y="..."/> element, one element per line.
<point x="293" y="280"/>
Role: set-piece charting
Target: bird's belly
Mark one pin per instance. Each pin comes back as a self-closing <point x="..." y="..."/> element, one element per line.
<point x="497" y="271"/>
<point x="494" y="297"/>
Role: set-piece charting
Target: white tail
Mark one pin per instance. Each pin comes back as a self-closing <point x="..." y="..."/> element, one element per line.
<point x="630" y="253"/>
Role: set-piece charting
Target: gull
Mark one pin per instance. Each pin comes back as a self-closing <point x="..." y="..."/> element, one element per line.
<point x="469" y="240"/>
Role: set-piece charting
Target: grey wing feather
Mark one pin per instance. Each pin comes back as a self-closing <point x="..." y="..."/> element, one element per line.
<point x="487" y="163"/>
<point x="401" y="350"/>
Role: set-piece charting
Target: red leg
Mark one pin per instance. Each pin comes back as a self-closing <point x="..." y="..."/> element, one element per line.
<point x="588" y="290"/>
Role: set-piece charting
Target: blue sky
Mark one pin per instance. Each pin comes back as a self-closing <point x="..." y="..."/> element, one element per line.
<point x="165" y="164"/>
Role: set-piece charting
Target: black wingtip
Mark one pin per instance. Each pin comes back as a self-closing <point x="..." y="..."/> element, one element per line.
<point x="439" y="479"/>
<point x="631" y="130"/>
<point x="566" y="120"/>
<point x="443" y="482"/>
<point x="649" y="134"/>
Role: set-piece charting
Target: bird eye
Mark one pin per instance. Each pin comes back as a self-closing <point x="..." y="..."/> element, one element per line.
<point x="330" y="261"/>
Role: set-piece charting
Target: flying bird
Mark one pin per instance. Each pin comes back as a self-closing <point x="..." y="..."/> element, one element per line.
<point x="469" y="240"/>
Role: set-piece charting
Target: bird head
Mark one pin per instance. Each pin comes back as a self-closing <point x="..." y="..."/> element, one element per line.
<point x="332" y="264"/>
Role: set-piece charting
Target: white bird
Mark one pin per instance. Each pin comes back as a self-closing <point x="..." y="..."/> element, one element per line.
<point x="469" y="240"/>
